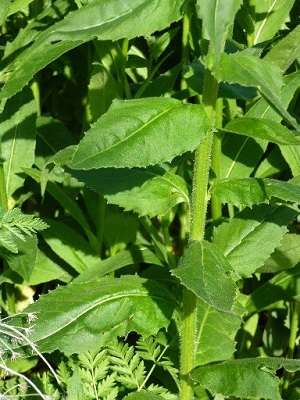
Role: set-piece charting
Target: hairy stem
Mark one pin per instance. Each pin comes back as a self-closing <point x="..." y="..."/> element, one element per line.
<point x="197" y="230"/>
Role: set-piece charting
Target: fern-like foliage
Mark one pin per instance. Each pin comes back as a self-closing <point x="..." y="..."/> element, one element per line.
<point x="15" y="224"/>
<point x="110" y="374"/>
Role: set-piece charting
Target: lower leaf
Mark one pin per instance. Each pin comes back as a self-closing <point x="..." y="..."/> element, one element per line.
<point x="245" y="378"/>
<point x="84" y="316"/>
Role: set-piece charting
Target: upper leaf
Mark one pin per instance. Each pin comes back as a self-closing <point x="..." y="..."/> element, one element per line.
<point x="83" y="316"/>
<point x="248" y="70"/>
<point x="218" y="16"/>
<point x="139" y="133"/>
<point x="204" y="270"/>
<point x="102" y="19"/>
<point x="262" y="129"/>
<point x="271" y="16"/>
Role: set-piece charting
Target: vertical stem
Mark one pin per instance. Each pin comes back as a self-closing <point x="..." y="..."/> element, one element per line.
<point x="197" y="230"/>
<point x="216" y="205"/>
<point x="185" y="38"/>
<point x="292" y="343"/>
<point x="3" y="195"/>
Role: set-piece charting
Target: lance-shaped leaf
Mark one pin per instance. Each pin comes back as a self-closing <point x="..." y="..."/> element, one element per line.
<point x="215" y="334"/>
<point x="83" y="316"/>
<point x="238" y="239"/>
<point x="264" y="129"/>
<point x="217" y="17"/>
<point x="271" y="15"/>
<point x="204" y="270"/>
<point x="248" y="70"/>
<point x="102" y="19"/>
<point x="245" y="378"/>
<point x="18" y="133"/>
<point x="152" y="191"/>
<point x="139" y="133"/>
<point x="249" y="191"/>
<point x="286" y="51"/>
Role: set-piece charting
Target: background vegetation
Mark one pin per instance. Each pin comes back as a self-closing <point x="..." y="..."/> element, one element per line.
<point x="149" y="191"/>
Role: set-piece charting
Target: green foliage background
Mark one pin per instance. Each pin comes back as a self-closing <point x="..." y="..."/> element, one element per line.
<point x="149" y="193"/>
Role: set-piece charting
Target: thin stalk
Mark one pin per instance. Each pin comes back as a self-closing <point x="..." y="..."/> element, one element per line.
<point x="292" y="342"/>
<point x="197" y="230"/>
<point x="124" y="78"/>
<point x="187" y="18"/>
<point x="3" y="195"/>
<point x="216" y="205"/>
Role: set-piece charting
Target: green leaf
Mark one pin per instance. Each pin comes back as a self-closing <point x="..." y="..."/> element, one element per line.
<point x="70" y="246"/>
<point x="66" y="201"/>
<point x="291" y="155"/>
<point x="47" y="268"/>
<point x="240" y="155"/>
<point x="286" y="51"/>
<point x="120" y="230"/>
<point x="4" y="10"/>
<point x="132" y="256"/>
<point x="102" y="19"/>
<point x="102" y="86"/>
<point x="132" y="188"/>
<point x="285" y="256"/>
<point x="284" y="286"/>
<point x="249" y="70"/>
<point x="139" y="133"/>
<point x="24" y="262"/>
<point x="272" y="164"/>
<point x="218" y="17"/>
<point x="204" y="270"/>
<point x="194" y="76"/>
<point x="238" y="239"/>
<point x="249" y="191"/>
<point x="18" y="134"/>
<point x="237" y="377"/>
<point x="17" y="5"/>
<point x="143" y="395"/>
<point x="262" y="129"/>
<point x="271" y="16"/>
<point x="215" y="334"/>
<point x="52" y="136"/>
<point x="263" y="109"/>
<point x="84" y="316"/>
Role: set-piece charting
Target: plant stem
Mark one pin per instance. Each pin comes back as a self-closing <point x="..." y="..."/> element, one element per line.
<point x="197" y="230"/>
<point x="216" y="205"/>
<point x="3" y="195"/>
<point x="292" y="342"/>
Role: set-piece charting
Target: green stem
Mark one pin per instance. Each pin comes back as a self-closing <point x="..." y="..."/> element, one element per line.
<point x="187" y="18"/>
<point x="126" y="87"/>
<point x="292" y="343"/>
<point x="3" y="195"/>
<point x="216" y="205"/>
<point x="197" y="230"/>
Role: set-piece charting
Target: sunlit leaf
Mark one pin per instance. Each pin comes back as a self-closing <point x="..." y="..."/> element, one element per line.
<point x="83" y="316"/>
<point x="218" y="16"/>
<point x="238" y="239"/>
<point x="204" y="270"/>
<point x="139" y="133"/>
